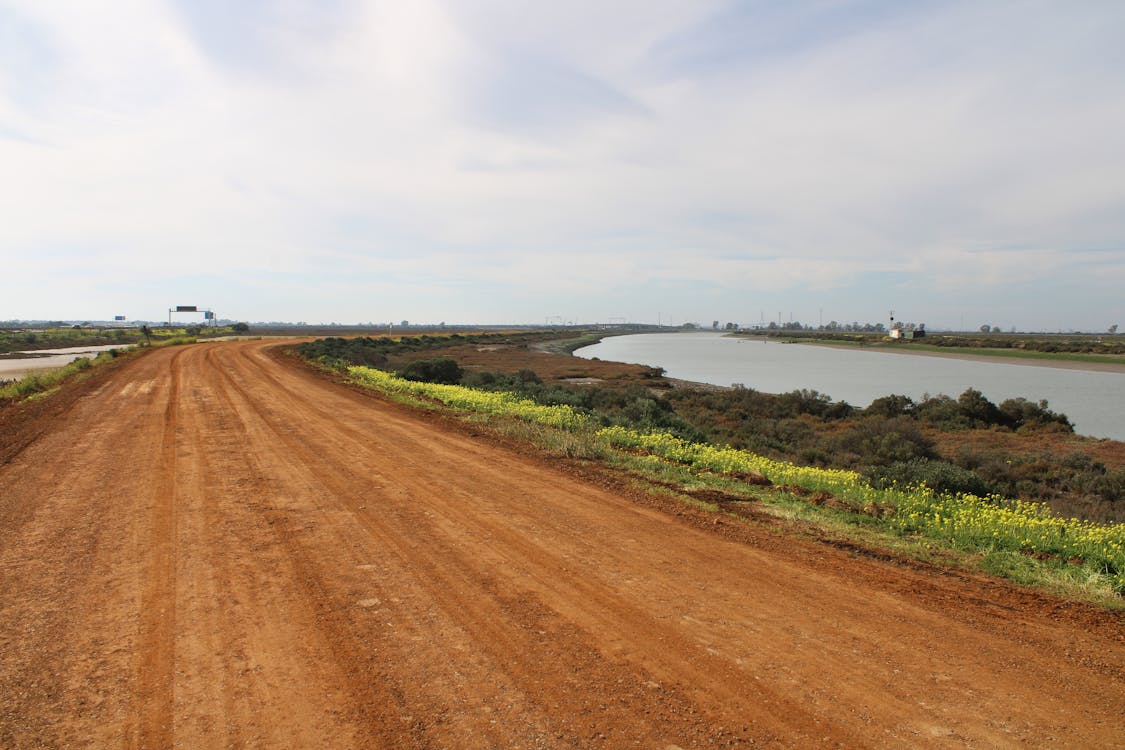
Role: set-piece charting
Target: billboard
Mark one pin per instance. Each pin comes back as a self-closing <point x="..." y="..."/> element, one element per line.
<point x="119" y="317"/>
<point x="186" y="308"/>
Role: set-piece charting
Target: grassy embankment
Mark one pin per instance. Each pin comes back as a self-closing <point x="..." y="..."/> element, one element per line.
<point x="1019" y="540"/>
<point x="973" y="351"/>
<point x="571" y="345"/>
<point x="1015" y="449"/>
<point x="1040" y="348"/>
<point x="45" y="382"/>
<point x="63" y="337"/>
<point x="60" y="337"/>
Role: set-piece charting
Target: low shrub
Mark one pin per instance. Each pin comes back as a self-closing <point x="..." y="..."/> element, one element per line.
<point x="940" y="476"/>
<point x="881" y="441"/>
<point x="891" y="406"/>
<point x="40" y="382"/>
<point x="1019" y="412"/>
<point x="440" y="370"/>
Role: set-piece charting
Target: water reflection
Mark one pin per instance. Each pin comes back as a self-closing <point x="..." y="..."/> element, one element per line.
<point x="34" y="361"/>
<point x="1094" y="401"/>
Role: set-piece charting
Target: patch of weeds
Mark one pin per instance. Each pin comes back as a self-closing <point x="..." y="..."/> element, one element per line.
<point x="1058" y="576"/>
<point x="555" y="441"/>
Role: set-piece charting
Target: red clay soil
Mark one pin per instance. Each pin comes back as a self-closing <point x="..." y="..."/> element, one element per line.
<point x="551" y="367"/>
<point x="1111" y="453"/>
<point x="214" y="547"/>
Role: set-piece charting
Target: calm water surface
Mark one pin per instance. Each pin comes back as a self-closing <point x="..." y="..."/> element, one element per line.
<point x="1094" y="401"/>
<point x="15" y="368"/>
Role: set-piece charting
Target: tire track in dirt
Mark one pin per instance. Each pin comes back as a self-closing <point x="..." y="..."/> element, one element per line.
<point x="448" y="574"/>
<point x="70" y="566"/>
<point x="345" y="573"/>
<point x="364" y="697"/>
<point x="158" y="602"/>
<point x="257" y="663"/>
<point x="842" y="662"/>
<point x="440" y="579"/>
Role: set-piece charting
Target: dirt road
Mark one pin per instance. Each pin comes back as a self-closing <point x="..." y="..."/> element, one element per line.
<point x="215" y="548"/>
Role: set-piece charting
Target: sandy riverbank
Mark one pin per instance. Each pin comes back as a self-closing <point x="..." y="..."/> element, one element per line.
<point x="17" y="365"/>
<point x="1058" y="364"/>
<point x="15" y="368"/>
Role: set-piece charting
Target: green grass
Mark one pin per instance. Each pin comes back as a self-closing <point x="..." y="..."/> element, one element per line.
<point x="911" y="347"/>
<point x="174" y="341"/>
<point x="1015" y="353"/>
<point x="45" y="382"/>
<point x="569" y="346"/>
<point x="58" y="338"/>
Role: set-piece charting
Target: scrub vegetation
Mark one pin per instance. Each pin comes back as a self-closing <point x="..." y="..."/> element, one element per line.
<point x="1018" y="448"/>
<point x="1107" y="349"/>
<point x="59" y="337"/>
<point x="1069" y="553"/>
<point x="866" y="473"/>
<point x="40" y="384"/>
<point x="43" y="383"/>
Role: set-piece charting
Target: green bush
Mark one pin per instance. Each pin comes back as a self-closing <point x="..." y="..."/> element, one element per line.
<point x="940" y="476"/>
<point x="440" y="370"/>
<point x="367" y="352"/>
<point x="978" y="410"/>
<point x="891" y="406"/>
<point x="1109" y="486"/>
<point x="883" y="442"/>
<point x="1019" y="412"/>
<point x="804" y="401"/>
<point x="942" y="412"/>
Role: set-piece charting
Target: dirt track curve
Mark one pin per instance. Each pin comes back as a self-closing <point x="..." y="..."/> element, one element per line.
<point x="216" y="548"/>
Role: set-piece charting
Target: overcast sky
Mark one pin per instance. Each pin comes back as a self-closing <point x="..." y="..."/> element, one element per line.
<point x="491" y="161"/>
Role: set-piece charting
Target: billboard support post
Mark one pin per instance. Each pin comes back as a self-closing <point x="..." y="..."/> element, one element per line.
<point x="208" y="314"/>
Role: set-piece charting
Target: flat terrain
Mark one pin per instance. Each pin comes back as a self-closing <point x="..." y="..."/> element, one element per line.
<point x="551" y="366"/>
<point x="210" y="546"/>
<point x="1095" y="363"/>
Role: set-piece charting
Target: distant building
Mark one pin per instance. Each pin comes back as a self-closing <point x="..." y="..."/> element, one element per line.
<point x="909" y="332"/>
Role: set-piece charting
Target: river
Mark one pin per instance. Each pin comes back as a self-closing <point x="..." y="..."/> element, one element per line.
<point x="1094" y="401"/>
<point x="23" y="363"/>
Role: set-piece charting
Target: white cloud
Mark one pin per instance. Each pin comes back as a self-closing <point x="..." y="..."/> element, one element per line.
<point x="581" y="149"/>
